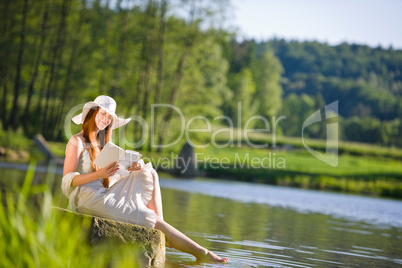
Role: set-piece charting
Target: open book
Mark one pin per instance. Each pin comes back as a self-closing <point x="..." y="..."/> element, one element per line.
<point x="124" y="158"/>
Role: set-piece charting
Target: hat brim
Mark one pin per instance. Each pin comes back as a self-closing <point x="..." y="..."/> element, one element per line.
<point x="117" y="122"/>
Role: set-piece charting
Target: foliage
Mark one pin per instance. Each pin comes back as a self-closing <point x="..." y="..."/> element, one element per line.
<point x="60" y="53"/>
<point x="366" y="82"/>
<point x="14" y="140"/>
<point x="268" y="72"/>
<point x="296" y="109"/>
<point x="243" y="87"/>
<point x="57" y="54"/>
<point x="254" y="80"/>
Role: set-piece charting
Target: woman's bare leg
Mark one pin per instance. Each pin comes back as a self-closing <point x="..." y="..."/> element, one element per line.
<point x="175" y="238"/>
<point x="180" y="241"/>
<point x="156" y="201"/>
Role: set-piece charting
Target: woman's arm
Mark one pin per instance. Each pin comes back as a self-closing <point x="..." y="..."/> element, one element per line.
<point x="86" y="178"/>
<point x="73" y="152"/>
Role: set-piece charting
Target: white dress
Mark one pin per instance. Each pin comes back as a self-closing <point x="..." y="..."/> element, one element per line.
<point x="124" y="201"/>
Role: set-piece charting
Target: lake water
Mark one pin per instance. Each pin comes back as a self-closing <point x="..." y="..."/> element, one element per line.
<point x="266" y="226"/>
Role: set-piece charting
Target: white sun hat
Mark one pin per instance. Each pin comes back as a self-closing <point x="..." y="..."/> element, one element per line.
<point x="106" y="103"/>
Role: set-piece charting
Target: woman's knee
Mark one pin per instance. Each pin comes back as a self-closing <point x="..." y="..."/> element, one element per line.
<point x="160" y="223"/>
<point x="155" y="175"/>
<point x="141" y="174"/>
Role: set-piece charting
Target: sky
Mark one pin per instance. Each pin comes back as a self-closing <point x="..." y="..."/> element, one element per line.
<point x="366" y="22"/>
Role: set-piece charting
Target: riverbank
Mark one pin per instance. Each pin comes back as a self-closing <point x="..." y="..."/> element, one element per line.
<point x="362" y="169"/>
<point x="374" y="176"/>
<point x="356" y="175"/>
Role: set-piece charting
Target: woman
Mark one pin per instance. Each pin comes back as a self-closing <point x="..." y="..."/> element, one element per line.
<point x="134" y="198"/>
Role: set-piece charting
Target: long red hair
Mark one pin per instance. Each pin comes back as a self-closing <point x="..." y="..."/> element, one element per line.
<point x="88" y="131"/>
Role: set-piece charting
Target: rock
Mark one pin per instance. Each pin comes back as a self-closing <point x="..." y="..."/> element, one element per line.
<point x="186" y="164"/>
<point x="3" y="151"/>
<point x="23" y="155"/>
<point x="150" y="242"/>
<point x="12" y="155"/>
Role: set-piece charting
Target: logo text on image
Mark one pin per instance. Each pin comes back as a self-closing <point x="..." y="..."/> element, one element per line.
<point x="330" y="156"/>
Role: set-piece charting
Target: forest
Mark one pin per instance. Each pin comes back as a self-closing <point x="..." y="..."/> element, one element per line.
<point x="56" y="54"/>
<point x="366" y="81"/>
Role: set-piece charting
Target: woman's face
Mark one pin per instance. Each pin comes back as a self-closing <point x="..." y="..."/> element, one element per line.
<point x="102" y="119"/>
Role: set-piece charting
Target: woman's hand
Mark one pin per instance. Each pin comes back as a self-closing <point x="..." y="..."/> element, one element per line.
<point x="135" y="166"/>
<point x="108" y="170"/>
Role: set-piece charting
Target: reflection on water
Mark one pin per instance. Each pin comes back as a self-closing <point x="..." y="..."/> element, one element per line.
<point x="371" y="210"/>
<point x="238" y="221"/>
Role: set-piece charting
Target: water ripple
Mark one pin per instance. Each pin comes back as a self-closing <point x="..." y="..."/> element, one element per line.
<point x="375" y="211"/>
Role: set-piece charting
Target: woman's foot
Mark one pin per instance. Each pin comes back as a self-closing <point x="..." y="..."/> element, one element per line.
<point x="178" y="240"/>
<point x="211" y="257"/>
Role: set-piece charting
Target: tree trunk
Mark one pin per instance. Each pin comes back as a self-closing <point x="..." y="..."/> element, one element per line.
<point x="103" y="78"/>
<point x="69" y="75"/>
<point x="173" y="97"/>
<point x="161" y="55"/>
<point x="144" y="87"/>
<point x="54" y="66"/>
<point x="36" y="68"/>
<point x="121" y="50"/>
<point x="147" y="87"/>
<point x="174" y="92"/>
<point x="39" y="105"/>
<point x="6" y="25"/>
<point x="17" y="85"/>
<point x="4" y="105"/>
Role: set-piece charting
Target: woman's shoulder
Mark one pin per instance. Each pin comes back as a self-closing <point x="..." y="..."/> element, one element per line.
<point x="78" y="141"/>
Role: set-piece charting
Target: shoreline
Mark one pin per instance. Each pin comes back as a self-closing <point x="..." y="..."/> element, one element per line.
<point x="40" y="167"/>
<point x="343" y="185"/>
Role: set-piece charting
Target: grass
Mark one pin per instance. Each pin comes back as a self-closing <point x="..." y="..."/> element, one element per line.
<point x="14" y="140"/>
<point x="15" y="147"/>
<point x="57" y="148"/>
<point x="344" y="147"/>
<point x="303" y="162"/>
<point x="376" y="176"/>
<point x="32" y="234"/>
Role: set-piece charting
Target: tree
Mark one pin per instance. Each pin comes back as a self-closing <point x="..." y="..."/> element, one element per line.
<point x="17" y="84"/>
<point x="161" y="60"/>
<point x="243" y="88"/>
<point x="35" y="73"/>
<point x="297" y="109"/>
<point x="268" y="95"/>
<point x="56" y="61"/>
